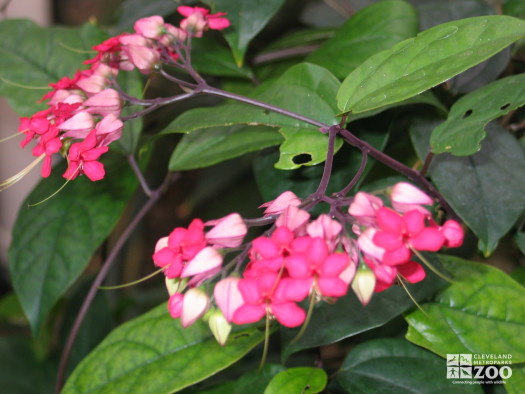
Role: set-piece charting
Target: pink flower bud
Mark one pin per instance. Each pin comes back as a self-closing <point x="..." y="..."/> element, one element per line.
<point x="228" y="297"/>
<point x="139" y="53"/>
<point x="406" y="197"/>
<point x="175" y="305"/>
<point x="78" y="126"/>
<point x="108" y="130"/>
<point x="173" y="35"/>
<point x="219" y="327"/>
<point x="293" y="218"/>
<point x="103" y="103"/>
<point x="453" y="233"/>
<point x="227" y="232"/>
<point x="280" y="203"/>
<point x="152" y="27"/>
<point x="206" y="260"/>
<point x="364" y="208"/>
<point x="326" y="228"/>
<point x="364" y="284"/>
<point x="194" y="305"/>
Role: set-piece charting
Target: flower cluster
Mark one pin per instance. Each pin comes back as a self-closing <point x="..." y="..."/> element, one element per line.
<point x="367" y="248"/>
<point x="388" y="237"/>
<point x="83" y="114"/>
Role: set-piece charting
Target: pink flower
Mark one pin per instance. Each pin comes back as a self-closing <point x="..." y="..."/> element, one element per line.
<point x="206" y="260"/>
<point x="228" y="297"/>
<point x="453" y="233"/>
<point x="151" y="27"/>
<point x="82" y="159"/>
<point x="175" y="305"/>
<point x="109" y="129"/>
<point x="326" y="228"/>
<point x="139" y="52"/>
<point x="198" y="19"/>
<point x="181" y="246"/>
<point x="280" y="203"/>
<point x="311" y="261"/>
<point x="397" y="234"/>
<point x="189" y="307"/>
<point x="364" y="208"/>
<point x="173" y="35"/>
<point x="265" y="295"/>
<point x="78" y="126"/>
<point x="406" y="197"/>
<point x="228" y="232"/>
<point x="294" y="218"/>
<point x="104" y="103"/>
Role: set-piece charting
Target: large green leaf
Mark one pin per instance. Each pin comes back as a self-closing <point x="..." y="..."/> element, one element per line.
<point x="154" y="354"/>
<point x="298" y="380"/>
<point x="35" y="56"/>
<point x="397" y="364"/>
<point x="348" y="317"/>
<point x="485" y="189"/>
<point x="369" y="31"/>
<point x="315" y="85"/>
<point x="432" y="57"/>
<point x="480" y="312"/>
<point x="206" y="147"/>
<point x="54" y="241"/>
<point x="247" y="17"/>
<point x="464" y="128"/>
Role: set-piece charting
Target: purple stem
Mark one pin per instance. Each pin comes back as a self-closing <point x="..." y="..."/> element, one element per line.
<point x="327" y="170"/>
<point x="356" y="177"/>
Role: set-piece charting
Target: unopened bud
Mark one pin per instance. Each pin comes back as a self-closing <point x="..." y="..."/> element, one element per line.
<point x="364" y="284"/>
<point x="195" y="304"/>
<point x="219" y="326"/>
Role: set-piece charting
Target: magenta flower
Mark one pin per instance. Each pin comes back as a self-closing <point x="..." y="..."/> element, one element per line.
<point x="198" y="19"/>
<point x="264" y="296"/>
<point x="398" y="234"/>
<point x="181" y="246"/>
<point x="83" y="159"/>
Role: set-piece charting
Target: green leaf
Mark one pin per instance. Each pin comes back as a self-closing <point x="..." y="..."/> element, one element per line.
<point x="515" y="384"/>
<point x="480" y="312"/>
<point x="373" y="29"/>
<point x="209" y="57"/>
<point x="298" y="380"/>
<point x="247" y="19"/>
<point x="35" y="56"/>
<point x="54" y="241"/>
<point x="154" y="354"/>
<point x="302" y="80"/>
<point x="348" y="317"/>
<point x="206" y="147"/>
<point x="464" y="128"/>
<point x="485" y="189"/>
<point x="398" y="365"/>
<point x="432" y="57"/>
<point x="21" y="372"/>
<point x="303" y="147"/>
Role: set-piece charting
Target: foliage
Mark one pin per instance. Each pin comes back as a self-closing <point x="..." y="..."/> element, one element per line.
<point x="269" y="103"/>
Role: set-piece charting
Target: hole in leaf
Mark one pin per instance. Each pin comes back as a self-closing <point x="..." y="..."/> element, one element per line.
<point x="303" y="158"/>
<point x="467" y="114"/>
<point x="306" y="388"/>
<point x="504" y="107"/>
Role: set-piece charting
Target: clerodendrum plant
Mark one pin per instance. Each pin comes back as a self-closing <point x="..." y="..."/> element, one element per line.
<point x="345" y="244"/>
